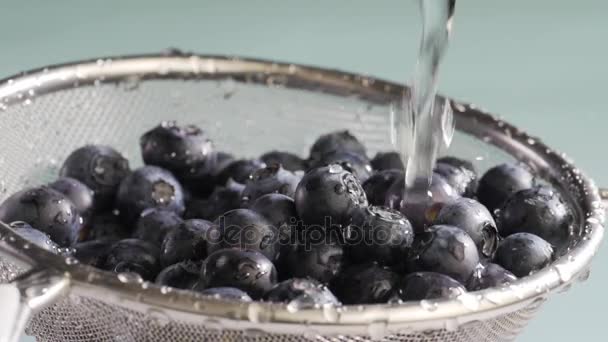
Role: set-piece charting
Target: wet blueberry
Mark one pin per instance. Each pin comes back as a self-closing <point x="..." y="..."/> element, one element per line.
<point x="540" y="211"/>
<point x="342" y="141"/>
<point x="222" y="199"/>
<point x="319" y="256"/>
<point x="201" y="179"/>
<point x="328" y="193"/>
<point x="226" y="293"/>
<point x="475" y="219"/>
<point x="378" y="234"/>
<point x="108" y="226"/>
<point x="500" y="182"/>
<point x="93" y="252"/>
<point x="288" y="161"/>
<point x="523" y="253"/>
<point x="154" y="224"/>
<point x="354" y="163"/>
<point x="187" y="241"/>
<point x="387" y="161"/>
<point x="245" y="229"/>
<point x="136" y="256"/>
<point x="301" y="293"/>
<point x="183" y="275"/>
<point x="460" y="174"/>
<point x="490" y="275"/>
<point x="34" y="236"/>
<point x="239" y="170"/>
<point x="101" y="168"/>
<point x="445" y="249"/>
<point x="47" y="210"/>
<point x="365" y="284"/>
<point x="149" y="187"/>
<point x="247" y="270"/>
<point x="377" y="186"/>
<point x="429" y="285"/>
<point x="80" y="195"/>
<point x="271" y="179"/>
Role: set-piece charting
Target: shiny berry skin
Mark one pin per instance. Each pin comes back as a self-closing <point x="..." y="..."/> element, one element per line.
<point x="288" y="161"/>
<point x="271" y="179"/>
<point x="187" y="241"/>
<point x="244" y="229"/>
<point x="133" y="255"/>
<point x="378" y="234"/>
<point x="247" y="270"/>
<point x="226" y="293"/>
<point x="47" y="210"/>
<point x="201" y="179"/>
<point x="80" y="195"/>
<point x="429" y="285"/>
<point x="99" y="167"/>
<point x="500" y="182"/>
<point x="460" y="174"/>
<point x="154" y="224"/>
<point x="365" y="284"/>
<point x="377" y="186"/>
<point x="523" y="253"/>
<point x="301" y="293"/>
<point x="342" y="141"/>
<point x="93" y="252"/>
<point x="328" y="193"/>
<point x="540" y="211"/>
<point x="445" y="249"/>
<point x="34" y="236"/>
<point x="239" y="170"/>
<point x="475" y="219"/>
<point x="221" y="200"/>
<point x="387" y="161"/>
<point x="182" y="275"/>
<point x="108" y="226"/>
<point x="490" y="275"/>
<point x="354" y="163"/>
<point x="318" y="256"/>
<point x="149" y="187"/>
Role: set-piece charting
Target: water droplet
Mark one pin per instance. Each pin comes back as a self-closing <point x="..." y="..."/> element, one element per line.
<point x="563" y="273"/>
<point x="71" y="261"/>
<point x="428" y="305"/>
<point x="165" y="289"/>
<point x="129" y="277"/>
<point x="335" y="168"/>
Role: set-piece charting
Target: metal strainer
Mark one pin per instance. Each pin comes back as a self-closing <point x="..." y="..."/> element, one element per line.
<point x="248" y="107"/>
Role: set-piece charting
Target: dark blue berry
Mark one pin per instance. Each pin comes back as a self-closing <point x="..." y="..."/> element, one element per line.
<point x="523" y="253"/>
<point x="154" y="224"/>
<point x="377" y="186"/>
<point x="227" y="293"/>
<point x="354" y="163"/>
<point x="319" y="256"/>
<point x="387" y="161"/>
<point x="93" y="252"/>
<point x="187" y="241"/>
<point x="149" y="187"/>
<point x="80" y="195"/>
<point x="378" y="234"/>
<point x="500" y="182"/>
<point x="239" y="170"/>
<point x="223" y="199"/>
<point x="101" y="168"/>
<point x="365" y="284"/>
<point x="342" y="141"/>
<point x="183" y="275"/>
<point x="108" y="226"/>
<point x="445" y="249"/>
<point x="475" y="219"/>
<point x="328" y="193"/>
<point x="271" y="179"/>
<point x="34" y="236"/>
<point x="301" y="293"/>
<point x="46" y="210"/>
<point x="135" y="256"/>
<point x="247" y="270"/>
<point x="490" y="275"/>
<point x="540" y="211"/>
<point x="429" y="285"/>
<point x="460" y="174"/>
<point x="288" y="161"/>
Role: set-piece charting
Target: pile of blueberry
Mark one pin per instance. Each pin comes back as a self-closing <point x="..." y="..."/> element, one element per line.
<point x="329" y="229"/>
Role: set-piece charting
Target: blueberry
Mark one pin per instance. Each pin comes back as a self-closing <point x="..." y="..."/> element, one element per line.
<point x="34" y="236"/>
<point x="475" y="219"/>
<point x="202" y="180"/>
<point x="239" y="170"/>
<point x="154" y="224"/>
<point x="421" y="209"/>
<point x="93" y="252"/>
<point x="378" y="234"/>
<point x="500" y="182"/>
<point x="354" y="163"/>
<point x="490" y="275"/>
<point x="429" y="285"/>
<point x="288" y="161"/>
<point x="377" y="186"/>
<point x="301" y="293"/>
<point x="223" y="199"/>
<point x="227" y="293"/>
<point x="540" y="211"/>
<point x="246" y="270"/>
<point x="108" y="226"/>
<point x="365" y="284"/>
<point x="187" y="241"/>
<point x="319" y="256"/>
<point x="149" y="187"/>
<point x="136" y="256"/>
<point x="523" y="253"/>
<point x="101" y="168"/>
<point x="271" y="179"/>
<point x="183" y="275"/>
<point x="460" y="174"/>
<point x="80" y="195"/>
<point x="47" y="210"/>
<point x="342" y="141"/>
<point x="387" y="161"/>
<point x="445" y="249"/>
<point x="245" y="229"/>
<point x="328" y="193"/>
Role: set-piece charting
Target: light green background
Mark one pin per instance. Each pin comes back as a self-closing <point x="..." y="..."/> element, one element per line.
<point x="540" y="63"/>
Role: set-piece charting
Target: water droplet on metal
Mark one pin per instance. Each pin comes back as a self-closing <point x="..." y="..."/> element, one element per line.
<point x="129" y="277"/>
